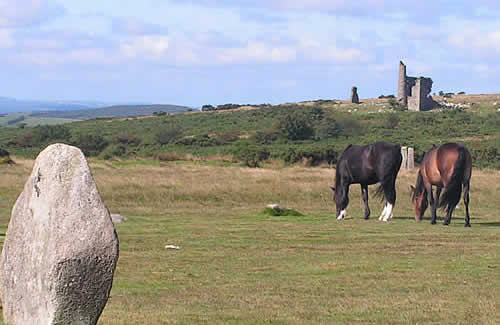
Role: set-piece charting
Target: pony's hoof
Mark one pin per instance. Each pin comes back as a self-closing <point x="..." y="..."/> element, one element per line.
<point x="433" y="222"/>
<point x="467" y="225"/>
<point x="446" y="223"/>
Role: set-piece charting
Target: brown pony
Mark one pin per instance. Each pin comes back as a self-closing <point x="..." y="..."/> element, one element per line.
<point x="447" y="167"/>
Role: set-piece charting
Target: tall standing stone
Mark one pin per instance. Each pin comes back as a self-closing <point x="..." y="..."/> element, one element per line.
<point x="354" y="95"/>
<point x="61" y="247"/>
<point x="411" y="158"/>
<point x="404" y="154"/>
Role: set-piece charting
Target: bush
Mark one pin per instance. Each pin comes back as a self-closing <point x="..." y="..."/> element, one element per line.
<point x="203" y="140"/>
<point x="42" y="135"/>
<point x="250" y="154"/>
<point x="396" y="106"/>
<point x="391" y="121"/>
<point x="295" y="126"/>
<point x="327" y="128"/>
<point x="282" y="212"/>
<point x="351" y="127"/>
<point x="266" y="137"/>
<point x="114" y="150"/>
<point x="127" y="139"/>
<point x="90" y="144"/>
<point x="167" y="135"/>
<point x="310" y="157"/>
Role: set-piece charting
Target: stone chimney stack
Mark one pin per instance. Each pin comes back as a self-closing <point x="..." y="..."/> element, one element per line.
<point x="402" y="89"/>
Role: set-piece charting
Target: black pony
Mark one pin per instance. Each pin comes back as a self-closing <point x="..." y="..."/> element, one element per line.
<point x="367" y="165"/>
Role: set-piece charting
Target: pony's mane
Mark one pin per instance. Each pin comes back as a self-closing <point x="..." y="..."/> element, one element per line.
<point x="419" y="187"/>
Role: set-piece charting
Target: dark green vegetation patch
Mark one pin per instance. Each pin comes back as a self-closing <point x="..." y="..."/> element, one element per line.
<point x="307" y="134"/>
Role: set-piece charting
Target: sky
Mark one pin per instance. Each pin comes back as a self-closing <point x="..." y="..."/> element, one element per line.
<point x="196" y="52"/>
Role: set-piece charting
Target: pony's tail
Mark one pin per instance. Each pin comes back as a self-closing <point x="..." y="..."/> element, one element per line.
<point x="451" y="195"/>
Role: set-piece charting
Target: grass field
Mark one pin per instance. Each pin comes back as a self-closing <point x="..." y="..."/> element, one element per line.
<point x="239" y="266"/>
<point x="32" y="121"/>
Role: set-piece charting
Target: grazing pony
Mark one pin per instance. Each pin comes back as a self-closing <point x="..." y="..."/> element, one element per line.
<point x="367" y="165"/>
<point x="447" y="167"/>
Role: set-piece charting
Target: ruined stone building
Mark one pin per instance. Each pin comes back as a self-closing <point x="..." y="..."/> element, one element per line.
<point x="414" y="92"/>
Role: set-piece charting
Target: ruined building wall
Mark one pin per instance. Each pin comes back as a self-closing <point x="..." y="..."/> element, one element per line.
<point x="414" y="92"/>
<point x="420" y="99"/>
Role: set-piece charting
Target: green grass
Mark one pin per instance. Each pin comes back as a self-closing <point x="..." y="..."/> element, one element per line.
<point x="237" y="265"/>
<point x="31" y="121"/>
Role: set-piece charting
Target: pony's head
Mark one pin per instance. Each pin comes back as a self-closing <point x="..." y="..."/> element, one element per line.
<point x="419" y="198"/>
<point x="341" y="199"/>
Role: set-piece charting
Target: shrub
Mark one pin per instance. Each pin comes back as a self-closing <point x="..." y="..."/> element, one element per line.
<point x="114" y="150"/>
<point x="41" y="135"/>
<point x="310" y="157"/>
<point x="250" y="154"/>
<point x="327" y="128"/>
<point x="266" y="137"/>
<point x="391" y="121"/>
<point x="295" y="126"/>
<point x="90" y="144"/>
<point x="203" y="140"/>
<point x="205" y="108"/>
<point x="351" y="127"/>
<point x="396" y="106"/>
<point x="168" y="134"/>
<point x="127" y="139"/>
<point x="282" y="212"/>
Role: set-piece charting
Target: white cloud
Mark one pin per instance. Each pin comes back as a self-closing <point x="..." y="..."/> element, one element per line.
<point x="476" y="41"/>
<point x="320" y="52"/>
<point x="148" y="45"/>
<point x="6" y="39"/>
<point x="256" y="51"/>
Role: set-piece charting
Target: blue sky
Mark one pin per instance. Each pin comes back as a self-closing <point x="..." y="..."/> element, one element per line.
<point x="195" y="52"/>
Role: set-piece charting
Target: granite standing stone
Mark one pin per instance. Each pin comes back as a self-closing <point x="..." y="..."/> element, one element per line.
<point x="61" y="247"/>
<point x="354" y="95"/>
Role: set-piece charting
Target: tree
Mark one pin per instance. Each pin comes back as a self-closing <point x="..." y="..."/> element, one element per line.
<point x="327" y="128"/>
<point x="295" y="126"/>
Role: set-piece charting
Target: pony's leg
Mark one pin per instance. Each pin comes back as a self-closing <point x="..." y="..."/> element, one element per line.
<point x="449" y="212"/>
<point x="364" y="193"/>
<point x="432" y="203"/>
<point x="390" y="197"/>
<point x="466" y="203"/>
<point x="382" y="215"/>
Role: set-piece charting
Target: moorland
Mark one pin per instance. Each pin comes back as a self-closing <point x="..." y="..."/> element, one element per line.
<point x="185" y="180"/>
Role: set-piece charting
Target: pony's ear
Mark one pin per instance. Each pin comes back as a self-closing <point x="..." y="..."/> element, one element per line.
<point x="412" y="188"/>
<point x="333" y="188"/>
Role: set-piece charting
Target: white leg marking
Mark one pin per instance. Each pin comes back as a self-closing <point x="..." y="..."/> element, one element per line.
<point x="342" y="215"/>
<point x="382" y="215"/>
<point x="388" y="214"/>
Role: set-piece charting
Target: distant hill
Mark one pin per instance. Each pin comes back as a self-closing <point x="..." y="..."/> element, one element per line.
<point x="12" y="105"/>
<point x="111" y="111"/>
